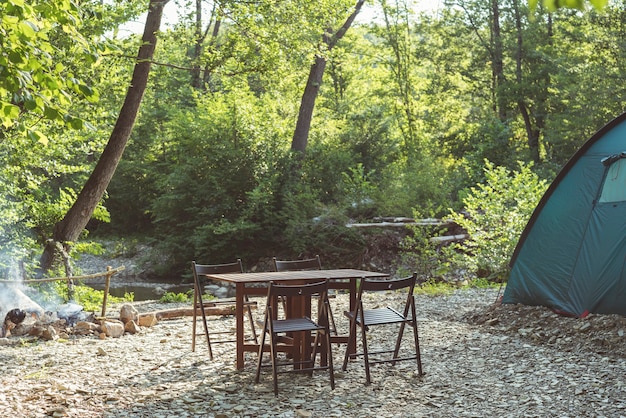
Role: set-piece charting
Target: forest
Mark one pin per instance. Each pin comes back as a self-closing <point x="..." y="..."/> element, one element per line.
<point x="249" y="129"/>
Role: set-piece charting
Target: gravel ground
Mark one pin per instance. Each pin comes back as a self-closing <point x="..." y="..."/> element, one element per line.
<point x="480" y="359"/>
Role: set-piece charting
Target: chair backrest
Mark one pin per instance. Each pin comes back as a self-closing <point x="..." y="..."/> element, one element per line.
<point x="276" y="292"/>
<point x="318" y="288"/>
<point x="378" y="285"/>
<point x="294" y="265"/>
<point x="200" y="269"/>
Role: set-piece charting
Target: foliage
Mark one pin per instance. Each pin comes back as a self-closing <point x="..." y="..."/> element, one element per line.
<point x="494" y="215"/>
<point x="553" y="5"/>
<point x="434" y="288"/>
<point x="171" y="297"/>
<point x="31" y="79"/>
<point x="418" y="254"/>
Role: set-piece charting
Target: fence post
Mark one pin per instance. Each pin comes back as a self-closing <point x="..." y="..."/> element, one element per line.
<point x="107" y="282"/>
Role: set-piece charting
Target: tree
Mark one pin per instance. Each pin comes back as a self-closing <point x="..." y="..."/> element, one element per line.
<point x="314" y="81"/>
<point x="69" y="228"/>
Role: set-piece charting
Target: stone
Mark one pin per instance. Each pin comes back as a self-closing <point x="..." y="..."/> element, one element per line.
<point x="128" y="313"/>
<point x="112" y="329"/>
<point x="131" y="327"/>
<point x="147" y="320"/>
<point x="49" y="333"/>
<point x="86" y="326"/>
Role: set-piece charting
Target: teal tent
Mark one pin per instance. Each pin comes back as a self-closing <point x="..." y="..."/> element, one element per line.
<point x="571" y="257"/>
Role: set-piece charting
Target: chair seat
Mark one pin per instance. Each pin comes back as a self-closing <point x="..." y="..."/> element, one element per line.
<point x="294" y="324"/>
<point x="379" y="316"/>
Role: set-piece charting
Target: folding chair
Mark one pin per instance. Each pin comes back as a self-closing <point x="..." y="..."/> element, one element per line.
<point x="279" y="331"/>
<point x="300" y="265"/>
<point x="367" y="318"/>
<point x="198" y="303"/>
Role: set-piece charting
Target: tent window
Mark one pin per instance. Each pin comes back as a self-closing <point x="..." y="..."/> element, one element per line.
<point x="614" y="188"/>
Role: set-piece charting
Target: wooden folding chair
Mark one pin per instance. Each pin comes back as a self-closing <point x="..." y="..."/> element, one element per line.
<point x="368" y="318"/>
<point x="199" y="304"/>
<point x="300" y="265"/>
<point x="280" y="330"/>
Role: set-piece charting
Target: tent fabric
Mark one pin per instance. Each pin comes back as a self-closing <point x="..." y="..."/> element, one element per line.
<point x="571" y="256"/>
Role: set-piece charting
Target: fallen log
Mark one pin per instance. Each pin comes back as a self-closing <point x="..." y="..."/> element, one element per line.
<point x="448" y="238"/>
<point x="226" y="309"/>
<point x="402" y="222"/>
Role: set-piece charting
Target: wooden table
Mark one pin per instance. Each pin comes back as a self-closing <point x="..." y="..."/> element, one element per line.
<point x="338" y="279"/>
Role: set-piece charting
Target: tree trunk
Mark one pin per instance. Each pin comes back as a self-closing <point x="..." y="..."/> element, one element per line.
<point x="497" y="63"/>
<point x="74" y="222"/>
<point x="533" y="116"/>
<point x="197" y="52"/>
<point x="305" y="115"/>
<point x="303" y="125"/>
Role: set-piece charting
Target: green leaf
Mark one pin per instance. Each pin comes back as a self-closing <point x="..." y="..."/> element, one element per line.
<point x="76" y="123"/>
<point x="8" y="114"/>
<point x="599" y="4"/>
<point x="51" y="113"/>
<point x="38" y="137"/>
<point x="29" y="29"/>
<point x="15" y="57"/>
<point x="30" y="104"/>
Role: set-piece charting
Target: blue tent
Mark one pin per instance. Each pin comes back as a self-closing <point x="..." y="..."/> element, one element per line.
<point x="571" y="256"/>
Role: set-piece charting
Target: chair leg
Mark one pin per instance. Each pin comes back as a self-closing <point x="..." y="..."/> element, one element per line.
<point x="351" y="347"/>
<point x="206" y="328"/>
<point x="333" y="327"/>
<point x="252" y="323"/>
<point x="366" y="359"/>
<point x="330" y="360"/>
<point x="195" y="318"/>
<point x="396" y="350"/>
<point x="417" y="349"/>
<point x="260" y="357"/>
<point x="274" y="367"/>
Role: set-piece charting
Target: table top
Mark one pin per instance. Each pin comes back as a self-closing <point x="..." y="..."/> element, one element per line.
<point x="285" y="276"/>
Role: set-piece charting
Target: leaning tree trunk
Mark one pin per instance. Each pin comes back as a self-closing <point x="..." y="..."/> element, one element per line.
<point x="69" y="228"/>
<point x="303" y="125"/>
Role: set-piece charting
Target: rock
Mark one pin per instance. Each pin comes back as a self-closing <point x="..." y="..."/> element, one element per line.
<point x="112" y="328"/>
<point x="131" y="327"/>
<point x="147" y="320"/>
<point x="128" y="313"/>
<point x="85" y="325"/>
<point x="49" y="333"/>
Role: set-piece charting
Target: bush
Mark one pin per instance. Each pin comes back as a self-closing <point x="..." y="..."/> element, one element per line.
<point x="495" y="214"/>
<point x="171" y="297"/>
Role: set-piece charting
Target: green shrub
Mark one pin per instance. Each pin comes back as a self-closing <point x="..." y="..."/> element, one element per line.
<point x="171" y="297"/>
<point x="495" y="214"/>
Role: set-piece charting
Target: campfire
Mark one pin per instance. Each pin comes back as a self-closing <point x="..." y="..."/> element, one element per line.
<point x="23" y="316"/>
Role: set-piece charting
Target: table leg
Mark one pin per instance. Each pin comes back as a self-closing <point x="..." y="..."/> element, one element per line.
<point x="239" y="296"/>
<point x="352" y="338"/>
